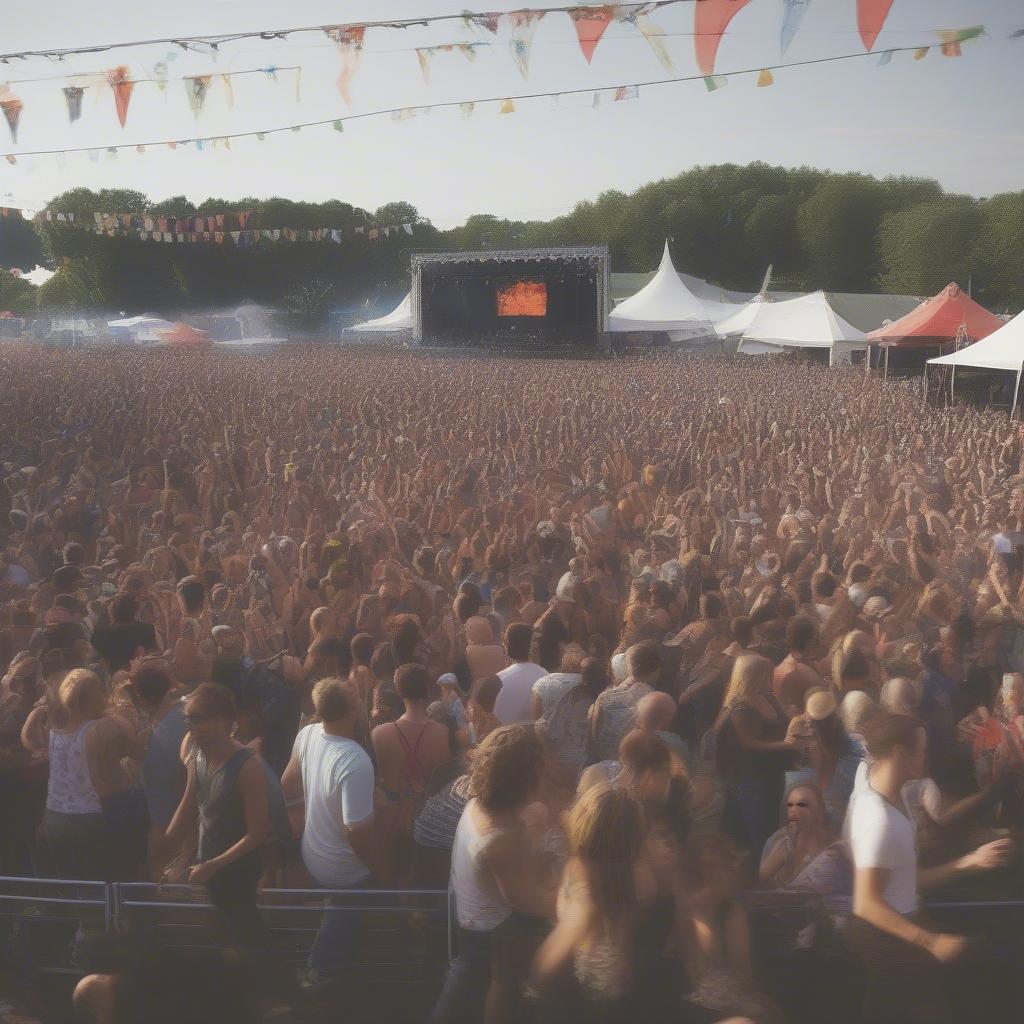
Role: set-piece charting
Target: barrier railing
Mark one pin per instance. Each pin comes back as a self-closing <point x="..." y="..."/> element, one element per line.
<point x="41" y="919"/>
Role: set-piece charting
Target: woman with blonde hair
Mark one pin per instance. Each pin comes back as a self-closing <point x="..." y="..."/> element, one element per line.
<point x="603" y="960"/>
<point x="752" y="746"/>
<point x="77" y="839"/>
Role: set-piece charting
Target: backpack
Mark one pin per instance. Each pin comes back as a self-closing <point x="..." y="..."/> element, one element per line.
<point x="275" y="707"/>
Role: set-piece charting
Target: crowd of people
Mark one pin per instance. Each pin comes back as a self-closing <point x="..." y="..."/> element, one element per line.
<point x="612" y="648"/>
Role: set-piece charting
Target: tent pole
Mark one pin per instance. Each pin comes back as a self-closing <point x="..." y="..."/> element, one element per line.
<point x="952" y="378"/>
<point x="1016" y="391"/>
<point x="886" y="373"/>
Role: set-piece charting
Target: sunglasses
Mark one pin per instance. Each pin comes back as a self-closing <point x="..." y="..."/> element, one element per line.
<point x="794" y="803"/>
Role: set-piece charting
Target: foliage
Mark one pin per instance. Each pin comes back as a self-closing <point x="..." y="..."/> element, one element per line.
<point x="725" y="222"/>
<point x="16" y="295"/>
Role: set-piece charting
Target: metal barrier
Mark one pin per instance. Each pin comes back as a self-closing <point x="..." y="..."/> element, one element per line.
<point x="403" y="934"/>
<point x="41" y="920"/>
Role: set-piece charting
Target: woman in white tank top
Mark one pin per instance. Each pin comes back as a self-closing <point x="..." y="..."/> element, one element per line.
<point x="502" y="891"/>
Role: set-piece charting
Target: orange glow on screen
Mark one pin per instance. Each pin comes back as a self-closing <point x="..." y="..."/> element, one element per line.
<point x="524" y="298"/>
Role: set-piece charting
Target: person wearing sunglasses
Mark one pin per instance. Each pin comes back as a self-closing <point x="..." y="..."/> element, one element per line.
<point x="227" y="789"/>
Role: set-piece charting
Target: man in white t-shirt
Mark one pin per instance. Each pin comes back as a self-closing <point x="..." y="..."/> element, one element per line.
<point x="333" y="776"/>
<point x="513" y="703"/>
<point x="903" y="960"/>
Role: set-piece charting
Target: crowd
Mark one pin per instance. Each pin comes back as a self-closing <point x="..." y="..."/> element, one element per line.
<point x="612" y="647"/>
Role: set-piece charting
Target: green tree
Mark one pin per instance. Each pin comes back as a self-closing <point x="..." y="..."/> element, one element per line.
<point x="16" y="294"/>
<point x="999" y="252"/>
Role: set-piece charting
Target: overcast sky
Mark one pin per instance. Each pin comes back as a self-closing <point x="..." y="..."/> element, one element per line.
<point x="958" y="120"/>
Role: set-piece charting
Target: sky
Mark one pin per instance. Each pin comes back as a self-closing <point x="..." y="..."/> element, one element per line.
<point x="957" y="120"/>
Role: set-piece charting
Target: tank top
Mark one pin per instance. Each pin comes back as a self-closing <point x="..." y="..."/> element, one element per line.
<point x="221" y="809"/>
<point x="479" y="905"/>
<point x="70" y="790"/>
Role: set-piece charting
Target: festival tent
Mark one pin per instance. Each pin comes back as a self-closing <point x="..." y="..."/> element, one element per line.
<point x="1002" y="350"/>
<point x="664" y="304"/>
<point x="807" y="322"/>
<point x="737" y="319"/>
<point x="943" y="319"/>
<point x="145" y="329"/>
<point x="182" y="336"/>
<point x="399" y="319"/>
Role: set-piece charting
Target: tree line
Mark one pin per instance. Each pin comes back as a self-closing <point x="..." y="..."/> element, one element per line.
<point x="819" y="229"/>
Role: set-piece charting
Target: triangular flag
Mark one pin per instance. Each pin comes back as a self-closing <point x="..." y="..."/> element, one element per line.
<point x="507" y="107"/>
<point x="952" y="38"/>
<point x="792" y="16"/>
<point x="590" y="24"/>
<point x="523" y="25"/>
<point x="73" y="97"/>
<point x="160" y="75"/>
<point x="229" y="91"/>
<point x="490" y="22"/>
<point x="885" y="57"/>
<point x="466" y="109"/>
<point x="423" y="55"/>
<point x="921" y="52"/>
<point x="765" y="78"/>
<point x="118" y="80"/>
<point x="338" y="126"/>
<point x="713" y="82"/>
<point x="871" y="15"/>
<point x="11" y="106"/>
<point x="349" y="40"/>
<point x="196" y="89"/>
<point x="627" y="92"/>
<point x="636" y="15"/>
<point x="710" y="20"/>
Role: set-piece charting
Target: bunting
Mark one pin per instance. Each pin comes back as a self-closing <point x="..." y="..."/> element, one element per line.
<point x="710" y="20"/>
<point x="11" y="106"/>
<point x="426" y="53"/>
<point x="627" y="92"/>
<point x="765" y="78"/>
<point x="229" y="91"/>
<point x="714" y="82"/>
<point x="523" y="25"/>
<point x="590" y="24"/>
<point x="885" y="57"/>
<point x="487" y="22"/>
<point x="871" y="15"/>
<point x="196" y="89"/>
<point x="792" y="16"/>
<point x="73" y="97"/>
<point x="921" y="52"/>
<point x="507" y="107"/>
<point x="118" y="80"/>
<point x="349" y="41"/>
<point x="637" y="16"/>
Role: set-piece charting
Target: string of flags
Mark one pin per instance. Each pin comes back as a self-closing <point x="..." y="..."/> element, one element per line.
<point x="218" y="228"/>
<point x="589" y="31"/>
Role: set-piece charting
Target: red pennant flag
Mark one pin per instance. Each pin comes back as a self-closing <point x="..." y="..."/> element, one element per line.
<point x="122" y="86"/>
<point x="590" y="23"/>
<point x="710" y="20"/>
<point x="11" y="106"/>
<point x="871" y="15"/>
<point x="349" y="40"/>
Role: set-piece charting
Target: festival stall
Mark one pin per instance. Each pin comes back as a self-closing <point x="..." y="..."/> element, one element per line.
<point x="949" y="318"/>
<point x="988" y="371"/>
<point x="807" y="324"/>
<point x="665" y="304"/>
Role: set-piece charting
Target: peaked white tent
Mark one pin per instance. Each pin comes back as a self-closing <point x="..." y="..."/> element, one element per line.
<point x="399" y="319"/>
<point x="663" y="304"/>
<point x="737" y="319"/>
<point x="807" y="322"/>
<point x="1003" y="349"/>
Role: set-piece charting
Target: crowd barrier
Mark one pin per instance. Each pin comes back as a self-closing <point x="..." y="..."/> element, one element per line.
<point x="406" y="936"/>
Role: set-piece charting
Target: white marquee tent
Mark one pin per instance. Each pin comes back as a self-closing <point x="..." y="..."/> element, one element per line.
<point x="399" y="319"/>
<point x="1003" y="349"/>
<point x="737" y="318"/>
<point x="663" y="304"/>
<point x="807" y="322"/>
<point x="141" y="329"/>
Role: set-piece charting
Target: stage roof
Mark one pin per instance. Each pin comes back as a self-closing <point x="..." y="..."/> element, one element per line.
<point x="560" y="254"/>
<point x="939" y="319"/>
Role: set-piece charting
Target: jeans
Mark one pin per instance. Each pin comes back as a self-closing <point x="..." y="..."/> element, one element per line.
<point x="233" y="892"/>
<point x="465" y="988"/>
<point x="748" y="813"/>
<point x="336" y="944"/>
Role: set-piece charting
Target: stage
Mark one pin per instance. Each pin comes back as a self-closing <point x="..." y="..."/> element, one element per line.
<point x="552" y="300"/>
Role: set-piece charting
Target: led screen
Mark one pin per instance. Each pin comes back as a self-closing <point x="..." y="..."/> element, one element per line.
<point x="524" y="298"/>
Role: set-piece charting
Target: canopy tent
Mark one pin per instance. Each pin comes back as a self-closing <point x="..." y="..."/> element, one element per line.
<point x="1003" y="349"/>
<point x="182" y="336"/>
<point x="664" y="304"/>
<point x="939" y="320"/>
<point x="737" y="319"/>
<point x="145" y="328"/>
<point x="807" y="322"/>
<point x="399" y="319"/>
